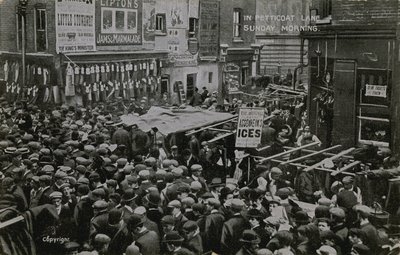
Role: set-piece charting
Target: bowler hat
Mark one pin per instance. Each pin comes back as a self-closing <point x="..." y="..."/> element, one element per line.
<point x="173" y="236"/>
<point x="249" y="236"/>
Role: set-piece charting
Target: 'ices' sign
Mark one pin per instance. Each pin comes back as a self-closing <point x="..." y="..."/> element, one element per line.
<point x="249" y="127"/>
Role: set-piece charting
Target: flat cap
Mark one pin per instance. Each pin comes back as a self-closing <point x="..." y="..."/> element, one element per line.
<point x="195" y="185"/>
<point x="337" y="212"/>
<point x="56" y="194"/>
<point x="196" y="167"/>
<point x="188" y="202"/>
<point x="237" y="204"/>
<point x="43" y="178"/>
<point x="102" y="239"/>
<point x="190" y="226"/>
<point x="140" y="210"/>
<point x="175" y="203"/>
<point x="144" y="173"/>
<point x="121" y="162"/>
<point x="99" y="192"/>
<point x="347" y="180"/>
<point x="168" y="219"/>
<point x="83" y="180"/>
<point x="177" y="172"/>
<point x="213" y="202"/>
<point x="100" y="205"/>
<point x="276" y="170"/>
<point x="81" y="169"/>
<point x="48" y="168"/>
<point x="94" y="176"/>
<point x="363" y="209"/>
<point x="60" y="174"/>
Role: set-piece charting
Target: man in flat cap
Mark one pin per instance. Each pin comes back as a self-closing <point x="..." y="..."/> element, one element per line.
<point x="193" y="241"/>
<point x="148" y="241"/>
<point x="372" y="239"/>
<point x="233" y="228"/>
<point x="99" y="222"/>
<point x="175" y="207"/>
<point x="43" y="196"/>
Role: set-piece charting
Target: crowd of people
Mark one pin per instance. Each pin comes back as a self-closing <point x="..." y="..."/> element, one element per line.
<point x="106" y="188"/>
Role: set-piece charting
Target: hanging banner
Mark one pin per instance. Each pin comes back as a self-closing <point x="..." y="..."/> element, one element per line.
<point x="75" y="27"/>
<point x="375" y="90"/>
<point x="249" y="127"/>
<point x="209" y="28"/>
<point x="118" y="22"/>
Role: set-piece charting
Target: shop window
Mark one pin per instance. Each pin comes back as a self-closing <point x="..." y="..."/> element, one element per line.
<point x="161" y="23"/>
<point x="374" y="87"/>
<point x="114" y="20"/>
<point x="40" y="29"/>
<point x="210" y="77"/>
<point x="193" y="27"/>
<point x="237" y="23"/>
<point x="19" y="31"/>
<point x="374" y="131"/>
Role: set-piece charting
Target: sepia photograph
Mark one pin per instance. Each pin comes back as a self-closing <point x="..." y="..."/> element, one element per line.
<point x="199" y="127"/>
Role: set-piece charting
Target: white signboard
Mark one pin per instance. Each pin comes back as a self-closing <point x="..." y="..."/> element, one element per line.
<point x="75" y="27"/>
<point x="375" y="91"/>
<point x="250" y="123"/>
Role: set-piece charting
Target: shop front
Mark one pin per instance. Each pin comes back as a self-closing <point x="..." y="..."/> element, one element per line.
<point x="238" y="71"/>
<point x="350" y="88"/>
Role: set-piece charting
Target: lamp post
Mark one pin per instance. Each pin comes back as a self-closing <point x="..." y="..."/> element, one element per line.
<point x="22" y="12"/>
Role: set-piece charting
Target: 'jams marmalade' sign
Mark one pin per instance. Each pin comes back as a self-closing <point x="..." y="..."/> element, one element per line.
<point x="118" y="22"/>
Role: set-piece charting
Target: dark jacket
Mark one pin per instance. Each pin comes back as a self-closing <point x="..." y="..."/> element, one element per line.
<point x="212" y="232"/>
<point x="195" y="244"/>
<point x="231" y="234"/>
<point x="148" y="242"/>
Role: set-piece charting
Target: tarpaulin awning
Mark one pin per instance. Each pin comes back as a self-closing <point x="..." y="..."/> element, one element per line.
<point x="170" y="121"/>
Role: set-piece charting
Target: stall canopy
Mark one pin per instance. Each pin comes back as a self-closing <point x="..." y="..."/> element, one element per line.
<point x="170" y="121"/>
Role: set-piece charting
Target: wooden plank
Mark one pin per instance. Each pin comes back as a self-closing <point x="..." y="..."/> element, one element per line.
<point x="11" y="222"/>
<point x="331" y="158"/>
<point x="347" y="167"/>
<point x="317" y="168"/>
<point x="213" y="125"/>
<point x="289" y="151"/>
<point x="220" y="137"/>
<point x="220" y="130"/>
<point x="313" y="154"/>
<point x="263" y="148"/>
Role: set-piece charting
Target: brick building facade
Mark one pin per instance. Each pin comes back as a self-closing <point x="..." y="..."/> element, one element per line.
<point x="353" y="95"/>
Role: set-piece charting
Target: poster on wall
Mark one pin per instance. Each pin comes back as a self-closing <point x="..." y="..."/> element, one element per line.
<point x="209" y="28"/>
<point x="119" y="22"/>
<point x="177" y="14"/>
<point x="149" y="25"/>
<point x="232" y="77"/>
<point x="249" y="127"/>
<point x="75" y="27"/>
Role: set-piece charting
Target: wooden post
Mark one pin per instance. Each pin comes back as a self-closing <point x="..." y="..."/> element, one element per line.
<point x="331" y="158"/>
<point x="395" y="88"/>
